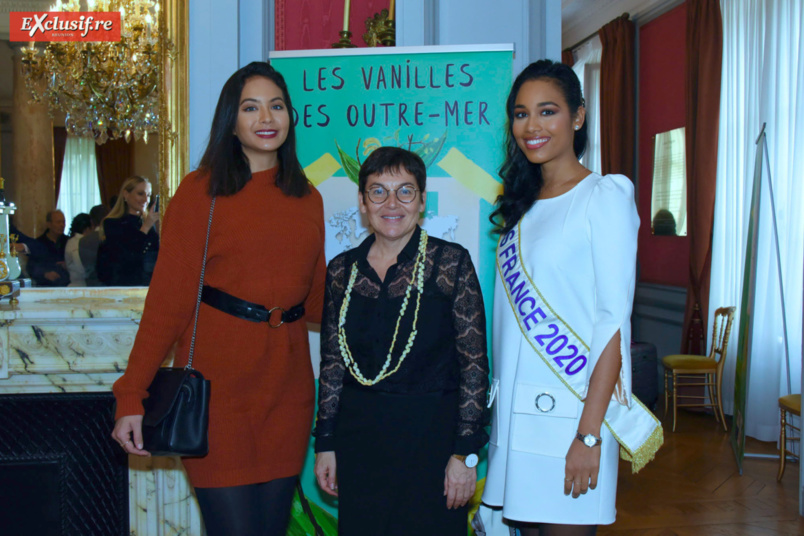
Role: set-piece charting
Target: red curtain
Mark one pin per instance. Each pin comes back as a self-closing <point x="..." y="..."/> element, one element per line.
<point x="59" y="146"/>
<point x="704" y="58"/>
<point x="114" y="161"/>
<point x="566" y="57"/>
<point x="618" y="97"/>
<point x="295" y="29"/>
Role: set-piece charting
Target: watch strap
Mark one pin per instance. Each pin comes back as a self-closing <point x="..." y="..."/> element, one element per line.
<point x="469" y="460"/>
<point x="583" y="439"/>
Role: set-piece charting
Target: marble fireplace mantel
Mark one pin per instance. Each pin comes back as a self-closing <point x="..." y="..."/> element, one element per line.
<point x="72" y="340"/>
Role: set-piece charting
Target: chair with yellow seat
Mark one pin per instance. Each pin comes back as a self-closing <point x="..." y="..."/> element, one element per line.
<point x="708" y="370"/>
<point x="788" y="404"/>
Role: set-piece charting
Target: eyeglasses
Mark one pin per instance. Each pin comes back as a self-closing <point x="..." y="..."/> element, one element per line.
<point x="377" y="194"/>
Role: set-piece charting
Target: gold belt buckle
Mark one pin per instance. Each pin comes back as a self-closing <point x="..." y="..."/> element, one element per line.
<point x="271" y="312"/>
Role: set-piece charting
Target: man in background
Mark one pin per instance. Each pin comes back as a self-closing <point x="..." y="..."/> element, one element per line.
<point x="46" y="265"/>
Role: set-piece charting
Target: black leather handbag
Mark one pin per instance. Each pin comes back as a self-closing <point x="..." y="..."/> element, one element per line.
<point x="177" y="414"/>
<point x="176" y="417"/>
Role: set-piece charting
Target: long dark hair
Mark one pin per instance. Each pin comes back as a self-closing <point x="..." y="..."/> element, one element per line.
<point x="522" y="180"/>
<point x="224" y="158"/>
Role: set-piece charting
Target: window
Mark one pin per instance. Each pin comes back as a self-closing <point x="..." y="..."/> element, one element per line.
<point x="79" y="190"/>
<point x="587" y="67"/>
<point x="668" y="204"/>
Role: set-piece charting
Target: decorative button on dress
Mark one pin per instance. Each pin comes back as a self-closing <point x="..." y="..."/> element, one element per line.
<point x="264" y="247"/>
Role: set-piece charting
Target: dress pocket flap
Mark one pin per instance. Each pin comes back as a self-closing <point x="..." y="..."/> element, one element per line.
<point x="545" y="400"/>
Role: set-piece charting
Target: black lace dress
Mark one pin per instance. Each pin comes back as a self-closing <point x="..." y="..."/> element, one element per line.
<point x="393" y="440"/>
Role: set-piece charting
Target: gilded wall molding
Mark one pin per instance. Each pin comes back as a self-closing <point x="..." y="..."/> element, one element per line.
<point x="174" y="152"/>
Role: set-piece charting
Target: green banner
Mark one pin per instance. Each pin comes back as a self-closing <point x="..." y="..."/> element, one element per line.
<point x="447" y="104"/>
<point x="747" y="313"/>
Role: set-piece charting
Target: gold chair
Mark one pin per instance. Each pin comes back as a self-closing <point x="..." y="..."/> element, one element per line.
<point x="787" y="404"/>
<point x="695" y="366"/>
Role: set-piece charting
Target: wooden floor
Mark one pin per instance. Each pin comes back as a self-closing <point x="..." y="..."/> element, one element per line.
<point x="693" y="488"/>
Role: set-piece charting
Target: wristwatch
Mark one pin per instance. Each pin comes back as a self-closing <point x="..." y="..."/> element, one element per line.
<point x="589" y="440"/>
<point x="470" y="460"/>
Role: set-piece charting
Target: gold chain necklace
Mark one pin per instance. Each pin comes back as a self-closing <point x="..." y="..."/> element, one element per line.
<point x="416" y="276"/>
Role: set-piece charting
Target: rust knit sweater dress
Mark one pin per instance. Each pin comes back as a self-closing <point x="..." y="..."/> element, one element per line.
<point x="264" y="247"/>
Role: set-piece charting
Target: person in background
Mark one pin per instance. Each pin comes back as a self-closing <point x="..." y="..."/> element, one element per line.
<point x="46" y="265"/>
<point x="25" y="244"/>
<point x="664" y="223"/>
<point x="88" y="245"/>
<point x="81" y="224"/>
<point x="127" y="254"/>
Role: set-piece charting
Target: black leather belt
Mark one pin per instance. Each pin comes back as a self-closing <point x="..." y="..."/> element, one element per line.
<point x="253" y="312"/>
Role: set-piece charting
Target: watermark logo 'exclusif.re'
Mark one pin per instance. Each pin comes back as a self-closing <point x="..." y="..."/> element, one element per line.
<point x="64" y="26"/>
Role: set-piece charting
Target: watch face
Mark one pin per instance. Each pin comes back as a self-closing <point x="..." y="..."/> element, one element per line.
<point x="589" y="440"/>
<point x="471" y="460"/>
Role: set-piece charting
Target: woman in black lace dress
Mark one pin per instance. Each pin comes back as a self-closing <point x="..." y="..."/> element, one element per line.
<point x="404" y="371"/>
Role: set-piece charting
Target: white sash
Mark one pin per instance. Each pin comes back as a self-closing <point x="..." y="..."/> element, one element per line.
<point x="636" y="429"/>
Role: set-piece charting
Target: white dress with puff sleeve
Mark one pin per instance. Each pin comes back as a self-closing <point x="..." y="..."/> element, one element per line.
<point x="580" y="251"/>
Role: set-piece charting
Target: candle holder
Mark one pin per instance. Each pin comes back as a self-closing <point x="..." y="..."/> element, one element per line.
<point x="9" y="263"/>
<point x="388" y="33"/>
<point x="345" y="41"/>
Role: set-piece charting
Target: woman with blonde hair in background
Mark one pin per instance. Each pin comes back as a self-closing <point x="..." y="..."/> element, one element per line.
<point x="130" y="234"/>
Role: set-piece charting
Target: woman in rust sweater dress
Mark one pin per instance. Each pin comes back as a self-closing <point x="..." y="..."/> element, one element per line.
<point x="266" y="247"/>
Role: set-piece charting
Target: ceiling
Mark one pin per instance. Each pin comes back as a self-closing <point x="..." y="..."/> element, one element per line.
<point x="579" y="20"/>
<point x="582" y="18"/>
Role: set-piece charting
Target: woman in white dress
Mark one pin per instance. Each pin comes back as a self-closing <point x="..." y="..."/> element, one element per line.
<point x="565" y="283"/>
<point x="81" y="224"/>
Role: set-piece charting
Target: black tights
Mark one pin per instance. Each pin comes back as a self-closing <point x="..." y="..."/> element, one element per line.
<point x="548" y="529"/>
<point x="252" y="510"/>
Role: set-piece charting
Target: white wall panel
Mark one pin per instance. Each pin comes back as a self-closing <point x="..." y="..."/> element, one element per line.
<point x="213" y="58"/>
<point x="534" y="26"/>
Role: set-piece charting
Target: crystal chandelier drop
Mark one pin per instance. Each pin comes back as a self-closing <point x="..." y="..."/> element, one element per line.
<point x="107" y="90"/>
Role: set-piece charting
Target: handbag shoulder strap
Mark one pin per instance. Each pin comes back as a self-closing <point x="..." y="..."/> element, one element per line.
<point x="200" y="287"/>
<point x="307" y="510"/>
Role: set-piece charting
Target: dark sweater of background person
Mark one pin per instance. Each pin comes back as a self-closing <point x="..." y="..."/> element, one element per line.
<point x="49" y="257"/>
<point x="32" y="245"/>
<point x="127" y="255"/>
<point x="89" y="244"/>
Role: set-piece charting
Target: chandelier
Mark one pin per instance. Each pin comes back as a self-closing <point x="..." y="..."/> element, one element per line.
<point x="107" y="90"/>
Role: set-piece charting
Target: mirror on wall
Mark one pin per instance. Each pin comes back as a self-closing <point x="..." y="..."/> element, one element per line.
<point x="163" y="159"/>
<point x="668" y="205"/>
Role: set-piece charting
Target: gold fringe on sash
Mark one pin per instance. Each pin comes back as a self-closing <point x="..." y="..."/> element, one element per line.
<point x="646" y="452"/>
